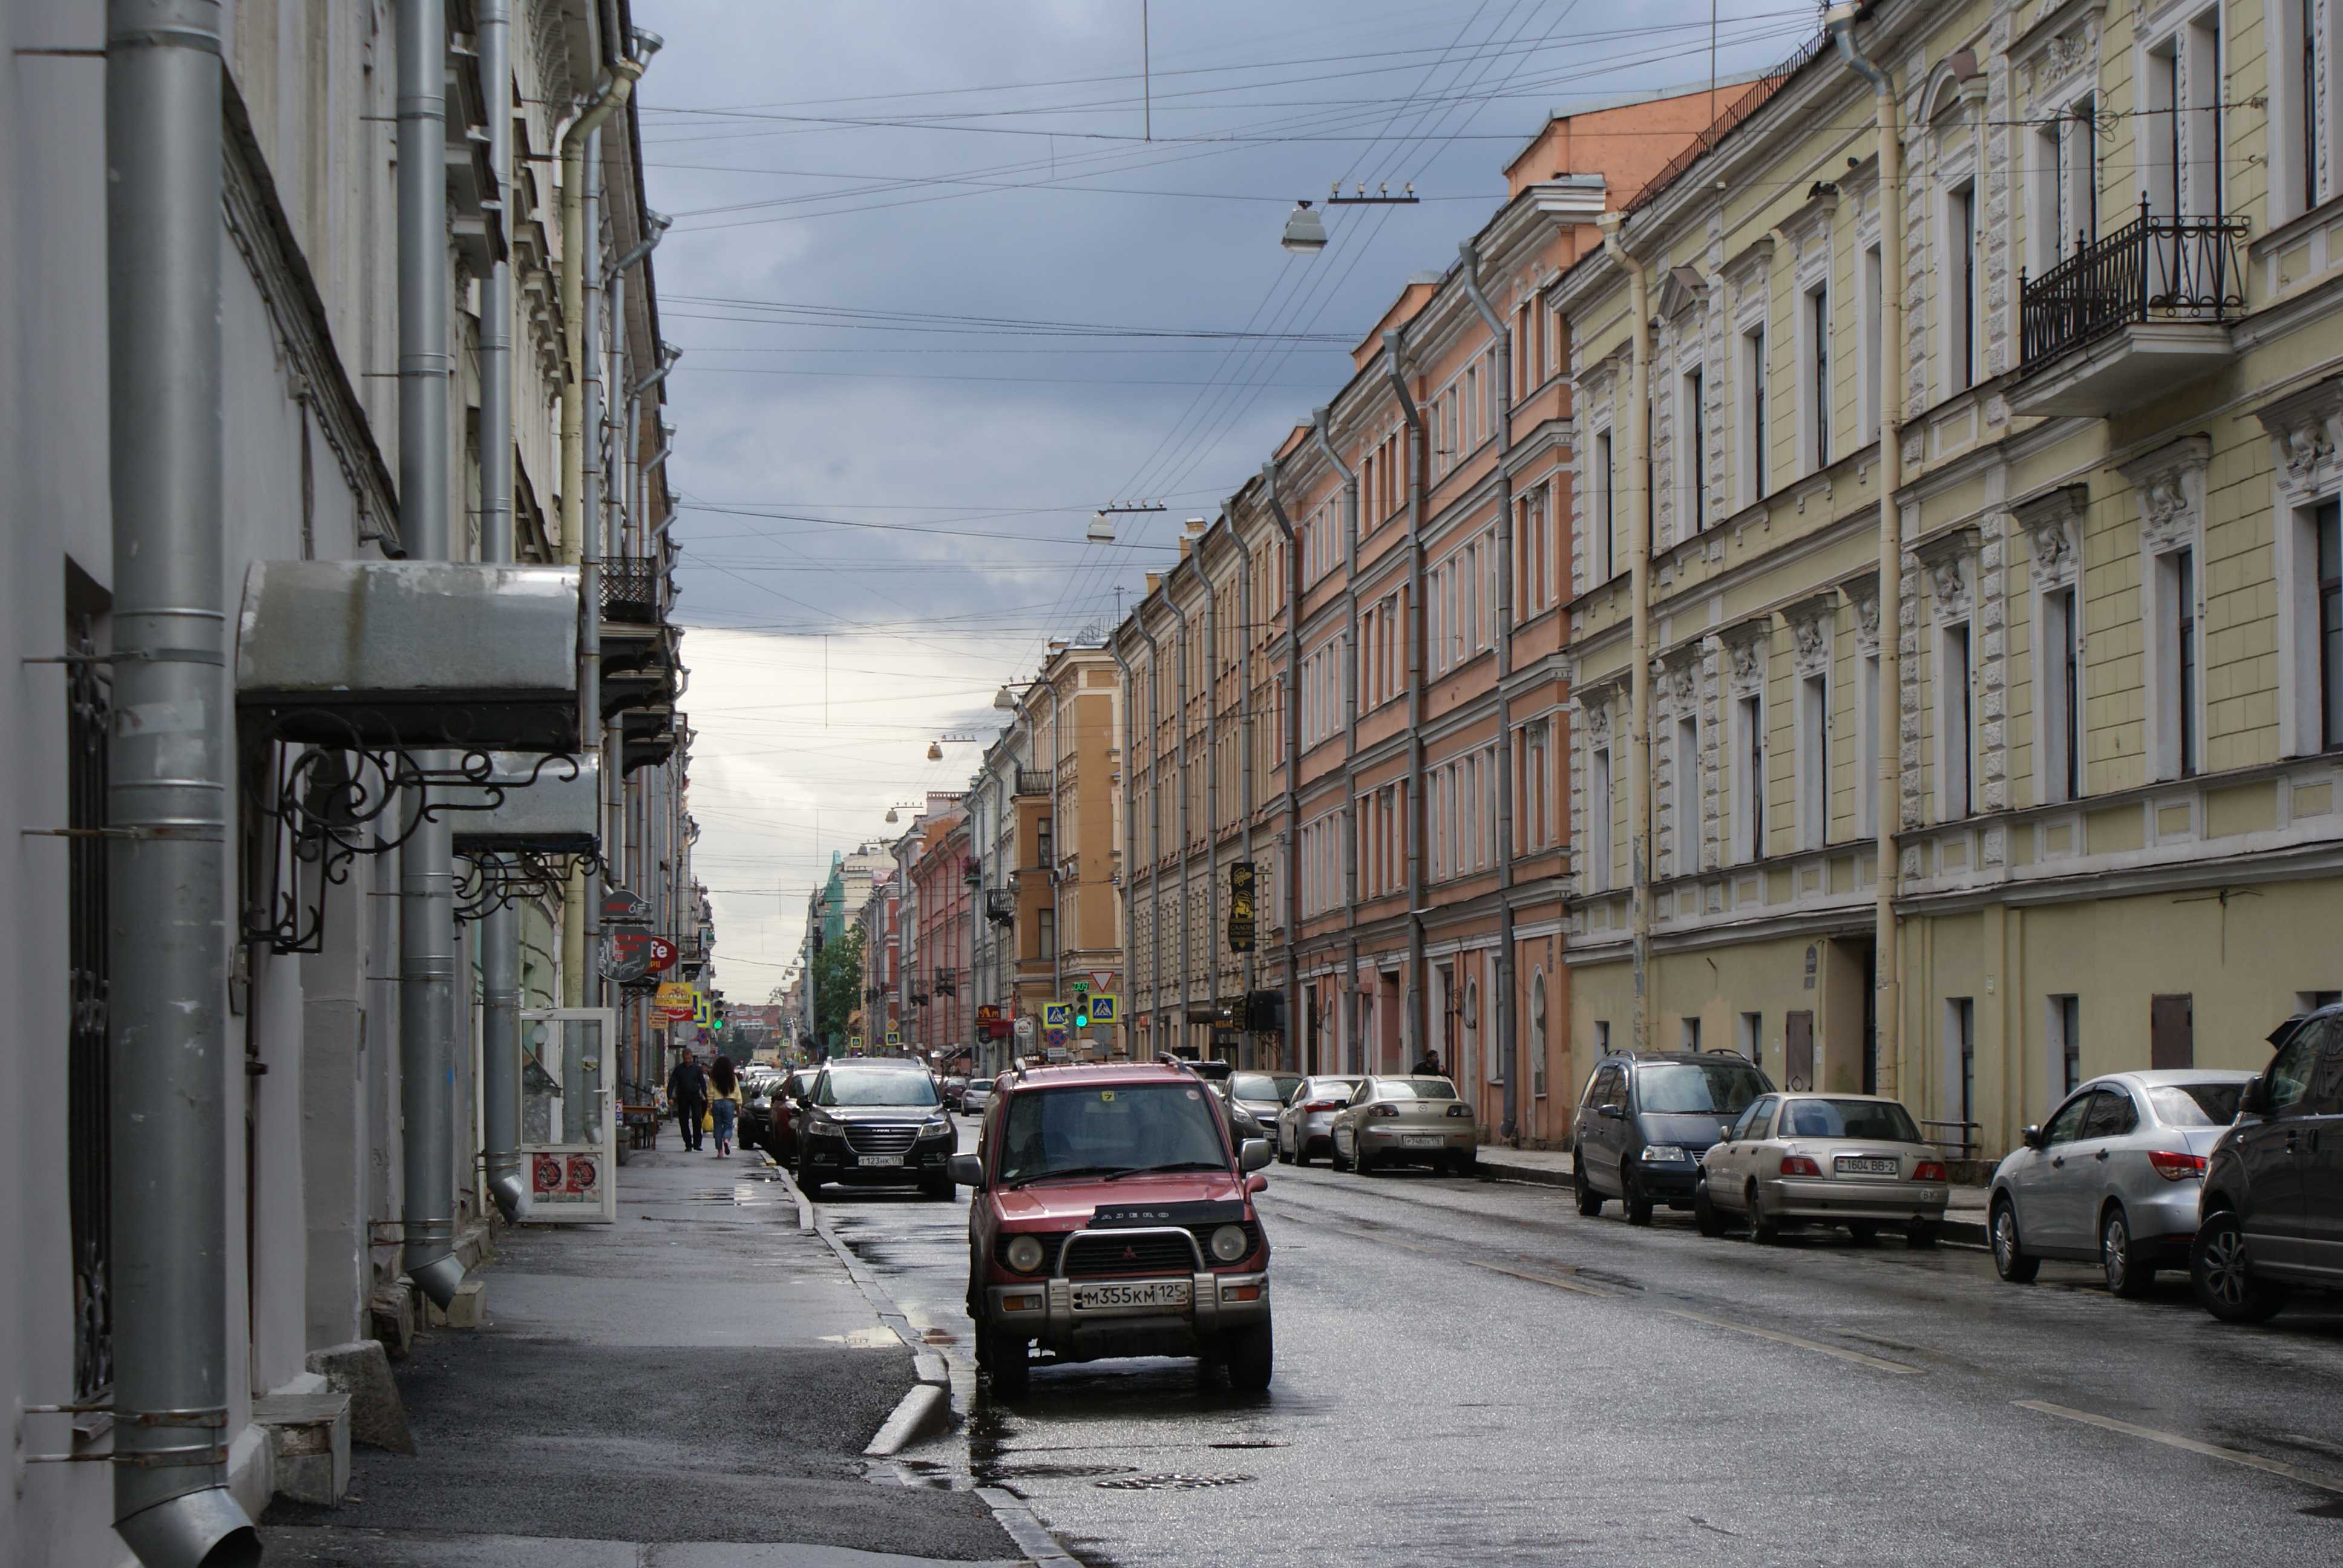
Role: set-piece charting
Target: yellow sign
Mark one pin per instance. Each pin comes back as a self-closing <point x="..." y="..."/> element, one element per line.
<point x="676" y="999"/>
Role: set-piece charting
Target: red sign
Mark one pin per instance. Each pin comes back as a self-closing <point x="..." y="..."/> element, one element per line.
<point x="639" y="953"/>
<point x="988" y="1013"/>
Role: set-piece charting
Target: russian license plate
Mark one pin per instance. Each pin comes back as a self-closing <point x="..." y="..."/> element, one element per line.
<point x="1849" y="1165"/>
<point x="1152" y="1293"/>
<point x="1422" y="1140"/>
<point x="882" y="1160"/>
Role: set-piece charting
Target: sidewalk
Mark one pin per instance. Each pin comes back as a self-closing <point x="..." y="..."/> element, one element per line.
<point x="1964" y="1216"/>
<point x="691" y="1387"/>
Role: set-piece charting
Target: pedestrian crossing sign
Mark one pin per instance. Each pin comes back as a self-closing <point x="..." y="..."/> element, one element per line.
<point x="1103" y="1008"/>
<point x="1053" y="1015"/>
<point x="894" y="1037"/>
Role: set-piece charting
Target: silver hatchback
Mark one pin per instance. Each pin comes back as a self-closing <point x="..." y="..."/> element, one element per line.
<point x="2113" y="1177"/>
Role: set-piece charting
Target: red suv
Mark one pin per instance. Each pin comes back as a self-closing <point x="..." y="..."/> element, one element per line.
<point x="1113" y="1216"/>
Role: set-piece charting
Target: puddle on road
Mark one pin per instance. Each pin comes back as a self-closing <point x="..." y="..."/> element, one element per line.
<point x="874" y="1338"/>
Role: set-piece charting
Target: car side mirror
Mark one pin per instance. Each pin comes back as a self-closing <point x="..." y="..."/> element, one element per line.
<point x="1614" y="1112"/>
<point x="1255" y="1155"/>
<point x="967" y="1171"/>
<point x="1256" y="1183"/>
<point x="2254" y="1099"/>
<point x="2032" y="1137"/>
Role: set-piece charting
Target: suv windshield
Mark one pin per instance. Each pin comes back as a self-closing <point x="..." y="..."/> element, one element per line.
<point x="1277" y="1086"/>
<point x="1130" y="1126"/>
<point x="2194" y="1104"/>
<point x="875" y="1086"/>
<point x="1696" y="1088"/>
<point x="1881" y="1119"/>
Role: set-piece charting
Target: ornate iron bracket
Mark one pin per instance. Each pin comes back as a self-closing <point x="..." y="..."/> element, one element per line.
<point x="488" y="880"/>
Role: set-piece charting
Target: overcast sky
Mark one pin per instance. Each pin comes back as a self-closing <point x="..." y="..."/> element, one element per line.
<point x="940" y="298"/>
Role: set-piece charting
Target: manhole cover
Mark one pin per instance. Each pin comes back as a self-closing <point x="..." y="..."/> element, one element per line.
<point x="1172" y="1483"/>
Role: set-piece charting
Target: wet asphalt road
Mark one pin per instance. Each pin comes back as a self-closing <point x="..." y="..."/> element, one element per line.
<point x="1469" y="1372"/>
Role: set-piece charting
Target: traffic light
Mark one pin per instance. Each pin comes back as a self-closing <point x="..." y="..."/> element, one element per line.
<point x="1081" y="1012"/>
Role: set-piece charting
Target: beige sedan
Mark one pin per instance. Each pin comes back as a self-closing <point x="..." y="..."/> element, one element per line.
<point x="1411" y="1120"/>
<point x="1851" y="1160"/>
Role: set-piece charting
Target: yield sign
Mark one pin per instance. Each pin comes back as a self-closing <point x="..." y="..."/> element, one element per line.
<point x="1102" y="977"/>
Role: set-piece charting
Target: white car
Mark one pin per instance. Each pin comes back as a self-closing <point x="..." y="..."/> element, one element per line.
<point x="1305" y="1127"/>
<point x="976" y="1097"/>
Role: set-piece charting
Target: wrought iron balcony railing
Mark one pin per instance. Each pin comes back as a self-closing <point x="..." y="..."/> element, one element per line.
<point x="2151" y="269"/>
<point x="1032" y="780"/>
<point x="632" y="590"/>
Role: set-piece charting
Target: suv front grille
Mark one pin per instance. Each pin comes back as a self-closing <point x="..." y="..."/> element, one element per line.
<point x="882" y="1137"/>
<point x="1107" y="1253"/>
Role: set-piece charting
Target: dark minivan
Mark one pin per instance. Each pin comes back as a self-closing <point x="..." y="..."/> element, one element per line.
<point x="1644" y="1121"/>
<point x="2271" y="1218"/>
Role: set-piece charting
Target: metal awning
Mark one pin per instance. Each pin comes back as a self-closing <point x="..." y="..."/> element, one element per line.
<point x="412" y="654"/>
<point x="528" y="802"/>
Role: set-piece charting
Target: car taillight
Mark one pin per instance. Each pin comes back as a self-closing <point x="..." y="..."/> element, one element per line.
<point x="1383" y="1111"/>
<point x="1460" y="1109"/>
<point x="1799" y="1165"/>
<point x="1928" y="1171"/>
<point x="2174" y="1167"/>
<point x="1323" y="1105"/>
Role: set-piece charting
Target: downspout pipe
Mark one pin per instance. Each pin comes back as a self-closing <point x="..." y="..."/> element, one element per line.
<point x="1293" y="707"/>
<point x="1244" y="751"/>
<point x="500" y="929"/>
<point x="1887" y="956"/>
<point x="1395" y="354"/>
<point x="1130" y="833"/>
<point x="167" y="790"/>
<point x="1508" y="1029"/>
<point x="1187" y="903"/>
<point x="427" y="880"/>
<point x="1321" y="423"/>
<point x="571" y="287"/>
<point x="1210" y="666"/>
<point x="1639" y="594"/>
<point x="1154" y="824"/>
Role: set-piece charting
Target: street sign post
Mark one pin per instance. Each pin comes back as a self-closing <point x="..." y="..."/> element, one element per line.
<point x="1025" y="1029"/>
<point x="1053" y="1015"/>
<point x="894" y="1038"/>
<point x="1105" y="1008"/>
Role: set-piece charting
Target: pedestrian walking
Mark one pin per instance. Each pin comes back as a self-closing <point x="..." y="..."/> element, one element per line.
<point x="724" y="1102"/>
<point x="1428" y="1066"/>
<point x="687" y="1095"/>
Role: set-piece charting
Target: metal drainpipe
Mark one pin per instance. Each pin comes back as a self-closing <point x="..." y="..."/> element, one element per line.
<point x="582" y="985"/>
<point x="500" y="929"/>
<point x="1639" y="594"/>
<point x="1293" y="889"/>
<point x="1350" y="986"/>
<point x="1187" y="905"/>
<point x="168" y="870"/>
<point x="1394" y="347"/>
<point x="1508" y="1031"/>
<point x="1129" y="839"/>
<point x="572" y="279"/>
<point x="1244" y="751"/>
<point x="427" y="880"/>
<point x="1210" y="665"/>
<point x="1886" y="955"/>
<point x="1154" y="821"/>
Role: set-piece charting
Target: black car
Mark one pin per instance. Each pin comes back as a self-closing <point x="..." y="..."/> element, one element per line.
<point x="1645" y="1121"/>
<point x="2270" y="1220"/>
<point x="875" y="1123"/>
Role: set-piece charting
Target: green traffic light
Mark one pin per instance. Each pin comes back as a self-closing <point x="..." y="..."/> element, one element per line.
<point x="1082" y="1018"/>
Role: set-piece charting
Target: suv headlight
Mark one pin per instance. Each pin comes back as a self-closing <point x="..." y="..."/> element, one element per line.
<point x="823" y="1127"/>
<point x="1230" y="1243"/>
<point x="935" y="1126"/>
<point x="1664" y="1154"/>
<point x="1023" y="1253"/>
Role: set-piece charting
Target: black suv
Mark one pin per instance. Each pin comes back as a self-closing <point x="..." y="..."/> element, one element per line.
<point x="1644" y="1121"/>
<point x="875" y="1122"/>
<point x="2271" y="1217"/>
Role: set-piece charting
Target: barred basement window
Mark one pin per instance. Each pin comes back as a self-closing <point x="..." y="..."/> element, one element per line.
<point x="89" y="1098"/>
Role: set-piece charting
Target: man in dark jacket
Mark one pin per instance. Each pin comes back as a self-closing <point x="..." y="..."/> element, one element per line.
<point x="687" y="1095"/>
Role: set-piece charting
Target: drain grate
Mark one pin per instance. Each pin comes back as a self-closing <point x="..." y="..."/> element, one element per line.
<point x="1173" y="1483"/>
<point x="1246" y="1442"/>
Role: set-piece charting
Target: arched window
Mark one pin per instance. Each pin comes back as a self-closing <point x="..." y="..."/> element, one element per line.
<point x="1472" y="1035"/>
<point x="1537" y="1033"/>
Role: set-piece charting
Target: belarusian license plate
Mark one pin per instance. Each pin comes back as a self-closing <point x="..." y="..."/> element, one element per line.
<point x="882" y="1160"/>
<point x="1422" y="1140"/>
<point x="1152" y="1293"/>
<point x="1849" y="1165"/>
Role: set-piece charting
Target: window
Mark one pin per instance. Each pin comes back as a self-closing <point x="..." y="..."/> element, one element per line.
<point x="1866" y="766"/>
<point x="1872" y="289"/>
<point x="2203" y="172"/>
<point x="1687" y="802"/>
<point x="2066" y="1043"/>
<point x="2162" y="130"/>
<point x="2046" y="207"/>
<point x="1598" y="824"/>
<point x="2178" y="751"/>
<point x="1693" y="464"/>
<point x="1752" y="434"/>
<point x="1960" y="1054"/>
<point x="2327" y="522"/>
<point x="1537" y="1035"/>
<point x="2079" y="201"/>
<point x="1690" y="1035"/>
<point x="1599" y="554"/>
<point x="2302" y="107"/>
<point x="2059" y="662"/>
<point x="1813" y="761"/>
<point x="1957" y="741"/>
<point x="1042" y="842"/>
<point x="1752" y="1042"/>
<point x="1960" y="273"/>
<point x="1045" y="929"/>
<point x="1817" y="378"/>
<point x="1749" y="829"/>
<point x="1602" y="1037"/>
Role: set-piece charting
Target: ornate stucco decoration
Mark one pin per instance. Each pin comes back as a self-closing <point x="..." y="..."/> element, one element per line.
<point x="1811" y="620"/>
<point x="2306" y="432"/>
<point x="1676" y="675"/>
<point x="2170" y="485"/>
<point x="1746" y="644"/>
<point x="1862" y="595"/>
<point x="2053" y="522"/>
<point x="1950" y="559"/>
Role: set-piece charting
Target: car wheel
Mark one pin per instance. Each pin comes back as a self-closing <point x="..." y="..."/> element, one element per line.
<point x="1008" y="1365"/>
<point x="805" y="1180"/>
<point x="1301" y="1151"/>
<point x="2222" y="1268"/>
<point x="1921" y="1235"/>
<point x="1249" y="1353"/>
<point x="2009" y="1259"/>
<point x="1763" y="1229"/>
<point x="1359" y="1160"/>
<point x="1590" y="1202"/>
<point x="1705" y="1217"/>
<point x="1284" y="1155"/>
<point x="1334" y="1153"/>
<point x="1632" y="1200"/>
<point x="2124" y="1276"/>
<point x="1864" y="1232"/>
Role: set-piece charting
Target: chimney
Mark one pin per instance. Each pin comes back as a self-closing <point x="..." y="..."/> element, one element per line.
<point x="1154" y="580"/>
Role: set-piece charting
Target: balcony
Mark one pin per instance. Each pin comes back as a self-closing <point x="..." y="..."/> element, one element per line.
<point x="1033" y="781"/>
<point x="2130" y="317"/>
<point x="632" y="590"/>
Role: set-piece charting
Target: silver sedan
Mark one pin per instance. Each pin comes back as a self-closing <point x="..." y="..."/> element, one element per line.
<point x="1412" y="1121"/>
<point x="1305" y="1127"/>
<point x="1852" y="1159"/>
<point x="2113" y="1177"/>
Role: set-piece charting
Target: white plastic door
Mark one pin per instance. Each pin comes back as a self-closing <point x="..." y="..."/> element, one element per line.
<point x="568" y="1116"/>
